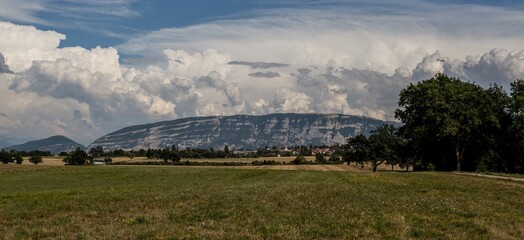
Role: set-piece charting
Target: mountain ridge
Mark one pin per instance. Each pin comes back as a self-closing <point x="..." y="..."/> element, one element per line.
<point x="241" y="131"/>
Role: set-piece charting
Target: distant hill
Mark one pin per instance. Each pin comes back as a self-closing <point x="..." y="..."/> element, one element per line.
<point x="241" y="131"/>
<point x="55" y="144"/>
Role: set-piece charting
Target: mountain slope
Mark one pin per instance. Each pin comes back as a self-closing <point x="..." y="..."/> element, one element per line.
<point x="4" y="143"/>
<point x="55" y="144"/>
<point x="241" y="131"/>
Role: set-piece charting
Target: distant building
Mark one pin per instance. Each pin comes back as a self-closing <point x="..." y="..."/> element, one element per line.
<point x="323" y="151"/>
<point x="99" y="161"/>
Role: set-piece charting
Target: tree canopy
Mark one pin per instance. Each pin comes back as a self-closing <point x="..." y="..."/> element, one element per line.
<point x="78" y="157"/>
<point x="35" y="159"/>
<point x="382" y="146"/>
<point x="449" y="124"/>
<point x="455" y="125"/>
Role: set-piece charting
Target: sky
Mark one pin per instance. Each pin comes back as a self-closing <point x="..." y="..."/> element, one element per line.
<point x="85" y="68"/>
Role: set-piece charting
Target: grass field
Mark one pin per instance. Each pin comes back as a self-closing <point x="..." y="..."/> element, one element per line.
<point x="166" y="202"/>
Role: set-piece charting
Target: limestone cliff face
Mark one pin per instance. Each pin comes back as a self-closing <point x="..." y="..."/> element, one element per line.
<point x="241" y="131"/>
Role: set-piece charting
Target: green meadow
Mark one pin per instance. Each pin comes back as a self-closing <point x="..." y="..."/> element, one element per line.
<point x="172" y="202"/>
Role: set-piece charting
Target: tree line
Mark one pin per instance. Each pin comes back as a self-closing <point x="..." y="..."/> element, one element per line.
<point x="17" y="157"/>
<point x="174" y="154"/>
<point x="447" y="125"/>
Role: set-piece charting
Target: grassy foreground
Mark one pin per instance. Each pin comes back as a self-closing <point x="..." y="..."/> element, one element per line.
<point x="159" y="202"/>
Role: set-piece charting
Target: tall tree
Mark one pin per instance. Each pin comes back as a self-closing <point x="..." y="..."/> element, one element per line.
<point x="357" y="150"/>
<point x="487" y="151"/>
<point x="441" y="109"/>
<point x="516" y="145"/>
<point x="384" y="143"/>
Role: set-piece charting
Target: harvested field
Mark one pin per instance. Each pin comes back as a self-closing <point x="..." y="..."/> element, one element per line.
<point x="47" y="161"/>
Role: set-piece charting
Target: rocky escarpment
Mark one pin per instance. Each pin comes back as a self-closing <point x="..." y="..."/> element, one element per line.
<point x="241" y="131"/>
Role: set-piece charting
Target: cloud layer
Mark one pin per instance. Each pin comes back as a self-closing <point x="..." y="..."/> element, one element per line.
<point x="30" y="11"/>
<point x="325" y="61"/>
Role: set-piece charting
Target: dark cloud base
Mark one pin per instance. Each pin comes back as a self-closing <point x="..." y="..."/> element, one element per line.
<point x="264" y="74"/>
<point x="259" y="65"/>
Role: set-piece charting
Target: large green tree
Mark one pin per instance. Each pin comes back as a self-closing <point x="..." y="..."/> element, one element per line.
<point x="515" y="147"/>
<point x="486" y="149"/>
<point x="443" y="112"/>
<point x="357" y="149"/>
<point x="384" y="143"/>
<point x="382" y="146"/>
<point x="78" y="157"/>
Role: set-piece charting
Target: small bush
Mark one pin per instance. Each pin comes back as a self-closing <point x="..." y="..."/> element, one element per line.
<point x="35" y="160"/>
<point x="19" y="159"/>
<point x="334" y="158"/>
<point x="299" y="159"/>
<point x="319" y="158"/>
<point x="265" y="162"/>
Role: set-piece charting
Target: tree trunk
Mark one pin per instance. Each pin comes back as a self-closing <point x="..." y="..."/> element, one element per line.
<point x="374" y="168"/>
<point x="392" y="167"/>
<point x="459" y="152"/>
